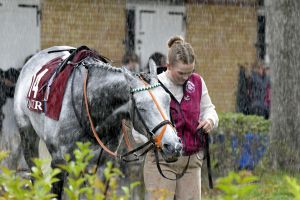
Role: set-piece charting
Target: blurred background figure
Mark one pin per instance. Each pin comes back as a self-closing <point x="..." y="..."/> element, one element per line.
<point x="160" y="61"/>
<point x="131" y="61"/>
<point x="242" y="96"/>
<point x="257" y="91"/>
<point x="254" y="90"/>
<point x="8" y="80"/>
<point x="9" y="137"/>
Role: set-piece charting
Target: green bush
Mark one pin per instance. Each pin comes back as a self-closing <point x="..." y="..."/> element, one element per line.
<point x="79" y="182"/>
<point x="238" y="123"/>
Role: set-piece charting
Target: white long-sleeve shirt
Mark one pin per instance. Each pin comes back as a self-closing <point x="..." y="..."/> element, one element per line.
<point x="207" y="109"/>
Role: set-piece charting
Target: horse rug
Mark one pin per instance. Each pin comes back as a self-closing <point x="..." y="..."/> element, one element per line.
<point x="48" y="85"/>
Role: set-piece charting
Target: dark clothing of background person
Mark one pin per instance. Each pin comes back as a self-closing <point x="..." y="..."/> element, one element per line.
<point x="257" y="94"/>
<point x="131" y="61"/>
<point x="8" y="80"/>
<point x="160" y="61"/>
<point x="242" y="97"/>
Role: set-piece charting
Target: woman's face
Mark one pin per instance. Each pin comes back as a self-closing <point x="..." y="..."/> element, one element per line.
<point x="180" y="72"/>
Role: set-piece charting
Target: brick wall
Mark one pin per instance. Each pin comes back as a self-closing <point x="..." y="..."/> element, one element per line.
<point x="99" y="24"/>
<point x="222" y="37"/>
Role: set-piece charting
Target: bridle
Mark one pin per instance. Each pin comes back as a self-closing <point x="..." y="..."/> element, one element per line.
<point x="151" y="133"/>
<point x="155" y="140"/>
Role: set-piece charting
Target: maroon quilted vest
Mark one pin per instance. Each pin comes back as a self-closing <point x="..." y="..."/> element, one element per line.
<point x="185" y="115"/>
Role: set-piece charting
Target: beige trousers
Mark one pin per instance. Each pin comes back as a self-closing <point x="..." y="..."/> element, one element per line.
<point x="187" y="187"/>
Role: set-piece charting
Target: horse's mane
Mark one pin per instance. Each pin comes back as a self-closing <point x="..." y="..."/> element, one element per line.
<point x="95" y="62"/>
<point x="103" y="62"/>
<point x="100" y="61"/>
<point x="108" y="67"/>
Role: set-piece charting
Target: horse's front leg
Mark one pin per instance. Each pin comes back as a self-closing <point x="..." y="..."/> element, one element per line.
<point x="57" y="187"/>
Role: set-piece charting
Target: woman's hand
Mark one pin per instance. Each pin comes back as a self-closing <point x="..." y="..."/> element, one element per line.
<point x="207" y="125"/>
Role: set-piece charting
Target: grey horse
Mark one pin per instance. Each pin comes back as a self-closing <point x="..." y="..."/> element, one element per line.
<point x="109" y="96"/>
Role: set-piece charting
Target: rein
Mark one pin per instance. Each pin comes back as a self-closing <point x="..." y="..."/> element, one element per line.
<point x="114" y="154"/>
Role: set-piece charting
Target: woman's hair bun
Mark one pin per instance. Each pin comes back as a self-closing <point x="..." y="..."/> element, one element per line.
<point x="175" y="39"/>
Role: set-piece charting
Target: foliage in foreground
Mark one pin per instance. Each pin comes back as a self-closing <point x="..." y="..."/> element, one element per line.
<point x="245" y="186"/>
<point x="236" y="185"/>
<point x="293" y="187"/>
<point x="79" y="182"/>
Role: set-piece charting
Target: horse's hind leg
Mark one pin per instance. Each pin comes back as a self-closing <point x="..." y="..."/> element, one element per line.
<point x="30" y="144"/>
<point x="57" y="187"/>
<point x="57" y="155"/>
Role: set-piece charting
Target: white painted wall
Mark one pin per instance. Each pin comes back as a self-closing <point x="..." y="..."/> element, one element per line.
<point x="19" y="38"/>
<point x="19" y="31"/>
<point x="154" y="25"/>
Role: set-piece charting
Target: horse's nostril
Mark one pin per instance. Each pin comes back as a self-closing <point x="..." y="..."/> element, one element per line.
<point x="179" y="140"/>
<point x="167" y="146"/>
<point x="178" y="147"/>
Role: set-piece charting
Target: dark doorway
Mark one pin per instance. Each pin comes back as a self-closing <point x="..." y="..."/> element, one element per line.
<point x="130" y="29"/>
<point x="261" y="35"/>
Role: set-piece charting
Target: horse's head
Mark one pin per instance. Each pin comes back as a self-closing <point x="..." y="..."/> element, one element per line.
<point x="150" y="114"/>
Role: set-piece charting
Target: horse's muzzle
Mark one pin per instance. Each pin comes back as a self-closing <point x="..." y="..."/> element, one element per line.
<point x="170" y="152"/>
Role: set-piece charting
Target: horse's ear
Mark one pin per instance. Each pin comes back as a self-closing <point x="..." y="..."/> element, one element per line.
<point x="129" y="76"/>
<point x="152" y="67"/>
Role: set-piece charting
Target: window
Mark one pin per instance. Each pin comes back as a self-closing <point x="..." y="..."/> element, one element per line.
<point x="261" y="31"/>
<point x="130" y="28"/>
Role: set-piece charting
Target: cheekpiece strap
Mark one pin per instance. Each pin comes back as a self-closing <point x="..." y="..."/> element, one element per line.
<point x="145" y="88"/>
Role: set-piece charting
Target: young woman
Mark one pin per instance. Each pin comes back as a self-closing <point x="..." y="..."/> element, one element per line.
<point x="191" y="109"/>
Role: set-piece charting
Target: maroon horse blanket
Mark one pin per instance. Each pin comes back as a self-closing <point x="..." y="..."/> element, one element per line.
<point x="48" y="85"/>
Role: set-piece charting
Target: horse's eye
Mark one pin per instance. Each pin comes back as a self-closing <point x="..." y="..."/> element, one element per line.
<point x="142" y="109"/>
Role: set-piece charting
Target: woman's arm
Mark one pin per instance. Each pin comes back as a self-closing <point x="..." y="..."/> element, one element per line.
<point x="207" y="108"/>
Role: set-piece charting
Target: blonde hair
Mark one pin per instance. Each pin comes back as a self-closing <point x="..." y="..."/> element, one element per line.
<point x="179" y="50"/>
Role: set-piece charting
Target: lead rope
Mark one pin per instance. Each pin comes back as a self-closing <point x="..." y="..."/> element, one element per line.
<point x="208" y="164"/>
<point x="177" y="176"/>
<point x="204" y="139"/>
